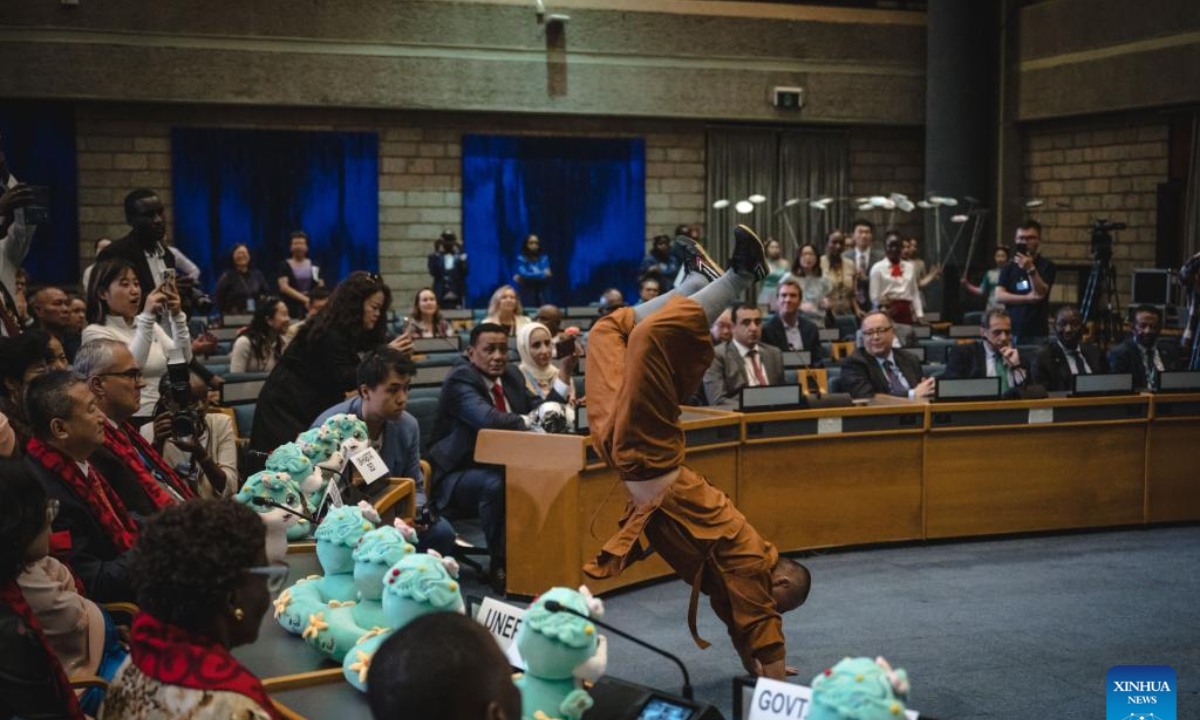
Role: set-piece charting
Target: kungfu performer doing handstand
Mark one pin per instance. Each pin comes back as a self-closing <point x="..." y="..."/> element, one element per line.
<point x="644" y="361"/>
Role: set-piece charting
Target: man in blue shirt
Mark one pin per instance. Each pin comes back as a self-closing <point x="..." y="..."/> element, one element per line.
<point x="384" y="377"/>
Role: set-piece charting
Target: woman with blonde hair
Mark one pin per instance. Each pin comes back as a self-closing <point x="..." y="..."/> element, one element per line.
<point x="505" y="309"/>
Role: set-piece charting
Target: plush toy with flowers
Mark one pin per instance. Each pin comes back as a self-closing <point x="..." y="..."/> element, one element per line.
<point x="418" y="585"/>
<point x="560" y="650"/>
<point x="281" y="489"/>
<point x="859" y="689"/>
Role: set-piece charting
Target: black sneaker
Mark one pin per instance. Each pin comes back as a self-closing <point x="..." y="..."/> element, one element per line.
<point x="749" y="253"/>
<point x="692" y="256"/>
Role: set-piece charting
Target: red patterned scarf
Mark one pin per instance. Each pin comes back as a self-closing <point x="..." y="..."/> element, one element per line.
<point x="11" y="596"/>
<point x="171" y="655"/>
<point x="103" y="502"/>
<point x="134" y="452"/>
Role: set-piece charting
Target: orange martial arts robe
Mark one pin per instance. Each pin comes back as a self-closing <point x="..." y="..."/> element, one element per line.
<point x="638" y="374"/>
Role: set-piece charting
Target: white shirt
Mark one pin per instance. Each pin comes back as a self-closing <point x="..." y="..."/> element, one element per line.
<point x="1015" y="376"/>
<point x="158" y="266"/>
<point x="795" y="342"/>
<point x="184" y="264"/>
<point x="1071" y="360"/>
<point x="748" y="363"/>
<point x="896" y="369"/>
<point x="884" y="285"/>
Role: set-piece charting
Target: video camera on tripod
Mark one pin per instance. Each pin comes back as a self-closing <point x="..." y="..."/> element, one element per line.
<point x="1102" y="239"/>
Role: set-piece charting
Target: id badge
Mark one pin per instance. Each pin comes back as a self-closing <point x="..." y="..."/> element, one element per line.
<point x="1024" y="285"/>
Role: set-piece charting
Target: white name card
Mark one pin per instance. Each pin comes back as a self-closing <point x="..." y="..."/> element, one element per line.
<point x="369" y="464"/>
<point x="503" y="621"/>
<point x="776" y="700"/>
<point x="829" y="426"/>
<point x="1041" y="416"/>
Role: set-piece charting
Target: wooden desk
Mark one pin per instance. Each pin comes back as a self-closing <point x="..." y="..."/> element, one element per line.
<point x="1172" y="468"/>
<point x="1003" y="467"/>
<point x="562" y="503"/>
<point x="837" y="476"/>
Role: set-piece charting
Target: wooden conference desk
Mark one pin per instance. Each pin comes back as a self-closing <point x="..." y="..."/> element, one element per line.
<point x="855" y="475"/>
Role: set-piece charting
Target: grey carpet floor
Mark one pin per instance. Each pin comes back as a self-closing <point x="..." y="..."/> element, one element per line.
<point x="1012" y="628"/>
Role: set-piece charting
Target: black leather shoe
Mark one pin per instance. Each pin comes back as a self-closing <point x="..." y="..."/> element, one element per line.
<point x="498" y="577"/>
<point x="692" y="256"/>
<point x="749" y="253"/>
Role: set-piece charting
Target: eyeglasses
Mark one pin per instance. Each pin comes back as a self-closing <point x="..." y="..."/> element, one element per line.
<point x="276" y="575"/>
<point x="134" y="374"/>
<point x="51" y="510"/>
<point x="877" y="331"/>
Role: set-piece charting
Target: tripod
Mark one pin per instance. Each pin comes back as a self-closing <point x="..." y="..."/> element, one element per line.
<point x="1108" y="328"/>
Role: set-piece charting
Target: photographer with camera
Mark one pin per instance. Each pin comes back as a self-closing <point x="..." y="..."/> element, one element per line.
<point x="1024" y="286"/>
<point x="384" y="377"/>
<point x="201" y="446"/>
<point x="137" y="472"/>
<point x="17" y="200"/>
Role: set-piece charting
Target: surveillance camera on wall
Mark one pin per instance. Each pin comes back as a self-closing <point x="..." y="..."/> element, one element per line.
<point x="787" y="98"/>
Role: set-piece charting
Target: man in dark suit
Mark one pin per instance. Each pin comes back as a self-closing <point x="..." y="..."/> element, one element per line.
<point x="1064" y="356"/>
<point x="863" y="255"/>
<point x="483" y="393"/>
<point x="877" y="368"/>
<point x="143" y="247"/>
<point x="1140" y="355"/>
<point x="743" y="361"/>
<point x="994" y="356"/>
<point x="788" y="329"/>
<point x="96" y="529"/>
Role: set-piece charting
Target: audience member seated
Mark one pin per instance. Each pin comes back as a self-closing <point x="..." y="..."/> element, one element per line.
<point x="33" y="681"/>
<point x="551" y="317"/>
<point x="78" y="309"/>
<point x="878" y="368"/>
<point x="442" y="665"/>
<point x="535" y="346"/>
<point x="903" y="336"/>
<point x="320" y="367"/>
<point x="98" y="529"/>
<point x="142" y="249"/>
<point x="505" y="309"/>
<point x="722" y="328"/>
<point x="484" y="392"/>
<point x="1065" y="356"/>
<point x="82" y="636"/>
<point x="23" y="358"/>
<point x="894" y="285"/>
<point x="207" y="462"/>
<point x="788" y="329"/>
<point x="260" y="346"/>
<point x="843" y="276"/>
<point x="51" y="308"/>
<point x="994" y="356"/>
<point x="297" y="275"/>
<point x="384" y="378"/>
<point x="815" y="288"/>
<point x="426" y="320"/>
<point x="743" y="361"/>
<point x="116" y="312"/>
<point x="1140" y="354"/>
<point x="610" y="300"/>
<point x="241" y="287"/>
<point x="203" y="584"/>
<point x="139" y="475"/>
<point x="448" y="268"/>
<point x="660" y="263"/>
<point x="648" y="289"/>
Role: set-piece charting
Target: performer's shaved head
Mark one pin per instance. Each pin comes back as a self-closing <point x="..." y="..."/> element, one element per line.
<point x="790" y="582"/>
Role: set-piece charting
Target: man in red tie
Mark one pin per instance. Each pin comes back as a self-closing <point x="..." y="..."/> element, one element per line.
<point x="744" y="361"/>
<point x="484" y="392"/>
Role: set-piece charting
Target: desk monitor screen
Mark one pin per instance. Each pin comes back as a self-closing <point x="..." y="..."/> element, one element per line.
<point x="1179" y="381"/>
<point x="829" y="334"/>
<point x="437" y="345"/>
<point x="769" y="397"/>
<point x="922" y="332"/>
<point x="797" y="359"/>
<point x="661" y="708"/>
<point x="581" y="423"/>
<point x="1107" y="384"/>
<point x="457" y="314"/>
<point x="964" y="331"/>
<point x="968" y="389"/>
<point x="917" y="352"/>
<point x="583" y="311"/>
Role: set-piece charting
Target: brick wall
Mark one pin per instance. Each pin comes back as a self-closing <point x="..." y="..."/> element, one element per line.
<point x="884" y="161"/>
<point x="1095" y="170"/>
<point x="420" y="184"/>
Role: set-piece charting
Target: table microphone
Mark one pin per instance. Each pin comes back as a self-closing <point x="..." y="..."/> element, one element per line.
<point x="267" y="502"/>
<point x="556" y="606"/>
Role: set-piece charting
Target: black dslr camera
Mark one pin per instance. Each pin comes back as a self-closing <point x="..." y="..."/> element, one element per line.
<point x="186" y="418"/>
<point x="1102" y="239"/>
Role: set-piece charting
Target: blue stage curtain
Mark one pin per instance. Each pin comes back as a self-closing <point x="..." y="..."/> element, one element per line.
<point x="39" y="141"/>
<point x="583" y="197"/>
<point x="256" y="186"/>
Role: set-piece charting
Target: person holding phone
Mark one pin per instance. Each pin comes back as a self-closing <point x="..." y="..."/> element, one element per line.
<point x="16" y="236"/>
<point x="537" y="350"/>
<point x="1024" y="286"/>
